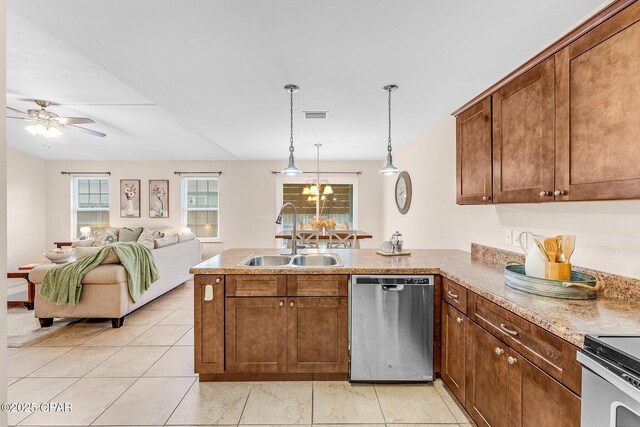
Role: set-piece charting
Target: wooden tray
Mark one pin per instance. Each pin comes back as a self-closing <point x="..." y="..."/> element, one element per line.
<point x="379" y="252"/>
<point x="581" y="286"/>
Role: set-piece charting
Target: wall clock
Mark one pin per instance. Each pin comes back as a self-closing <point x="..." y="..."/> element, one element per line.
<point x="403" y="192"/>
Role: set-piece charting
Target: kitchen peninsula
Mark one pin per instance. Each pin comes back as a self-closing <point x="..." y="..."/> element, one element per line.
<point x="291" y="323"/>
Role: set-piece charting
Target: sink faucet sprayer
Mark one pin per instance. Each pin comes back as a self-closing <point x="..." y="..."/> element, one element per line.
<point x="294" y="235"/>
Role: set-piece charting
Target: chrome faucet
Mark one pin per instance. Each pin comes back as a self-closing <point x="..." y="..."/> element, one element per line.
<point x="294" y="236"/>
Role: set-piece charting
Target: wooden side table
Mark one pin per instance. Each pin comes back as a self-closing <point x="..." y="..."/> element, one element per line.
<point x="23" y="273"/>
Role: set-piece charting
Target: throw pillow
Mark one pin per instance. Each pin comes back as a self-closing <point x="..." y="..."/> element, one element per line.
<point x="82" y="243"/>
<point x="109" y="236"/>
<point x="185" y="237"/>
<point x="158" y="234"/>
<point x="129" y="235"/>
<point x="166" y="241"/>
<point x="146" y="238"/>
<point x="111" y="257"/>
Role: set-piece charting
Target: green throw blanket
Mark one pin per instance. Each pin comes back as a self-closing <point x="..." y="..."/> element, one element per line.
<point x="63" y="284"/>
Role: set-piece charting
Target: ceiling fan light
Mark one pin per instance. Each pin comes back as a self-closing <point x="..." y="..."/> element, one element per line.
<point x="32" y="129"/>
<point x="51" y="133"/>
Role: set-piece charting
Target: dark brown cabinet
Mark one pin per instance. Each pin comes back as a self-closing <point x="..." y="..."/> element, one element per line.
<point x="454" y="326"/>
<point x="524" y="137"/>
<point x="473" y="154"/>
<point x="209" y="323"/>
<point x="536" y="399"/>
<point x="598" y="112"/>
<point x="317" y="335"/>
<point x="255" y="335"/>
<point x="486" y="378"/>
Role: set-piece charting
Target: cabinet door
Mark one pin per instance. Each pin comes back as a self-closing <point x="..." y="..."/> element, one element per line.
<point x="598" y="112"/>
<point x="486" y="378"/>
<point x="473" y="154"/>
<point x="524" y="137"/>
<point x="255" y="335"/>
<point x="209" y="323"/>
<point x="454" y="326"/>
<point x="536" y="399"/>
<point x="317" y="335"/>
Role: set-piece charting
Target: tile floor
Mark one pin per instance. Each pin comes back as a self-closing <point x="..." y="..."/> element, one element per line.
<point x="142" y="374"/>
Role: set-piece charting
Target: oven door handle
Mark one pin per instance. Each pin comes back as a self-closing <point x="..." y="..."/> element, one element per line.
<point x="598" y="366"/>
<point x="392" y="288"/>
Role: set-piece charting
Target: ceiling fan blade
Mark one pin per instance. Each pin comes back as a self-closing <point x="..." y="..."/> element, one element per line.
<point x="19" y="118"/>
<point x="73" y="120"/>
<point x="17" y="111"/>
<point x="89" y="131"/>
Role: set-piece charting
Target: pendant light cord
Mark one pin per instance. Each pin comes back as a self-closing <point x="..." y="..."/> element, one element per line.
<point x="291" y="115"/>
<point x="389" y="146"/>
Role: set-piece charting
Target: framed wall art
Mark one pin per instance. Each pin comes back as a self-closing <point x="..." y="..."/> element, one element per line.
<point x="158" y="198"/>
<point x="130" y="198"/>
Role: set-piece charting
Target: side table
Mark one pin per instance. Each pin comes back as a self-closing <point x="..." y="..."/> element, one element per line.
<point x="23" y="273"/>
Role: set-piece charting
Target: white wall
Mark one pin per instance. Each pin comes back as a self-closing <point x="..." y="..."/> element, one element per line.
<point x="3" y="212"/>
<point x="608" y="233"/>
<point x="26" y="236"/>
<point x="247" y="197"/>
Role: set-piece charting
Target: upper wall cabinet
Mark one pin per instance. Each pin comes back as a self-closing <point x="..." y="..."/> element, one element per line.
<point x="523" y="137"/>
<point x="598" y="112"/>
<point x="473" y="154"/>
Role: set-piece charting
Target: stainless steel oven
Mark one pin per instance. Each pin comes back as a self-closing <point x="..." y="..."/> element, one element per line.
<point x="610" y="381"/>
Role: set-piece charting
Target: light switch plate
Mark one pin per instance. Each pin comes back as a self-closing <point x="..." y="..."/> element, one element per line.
<point x="508" y="237"/>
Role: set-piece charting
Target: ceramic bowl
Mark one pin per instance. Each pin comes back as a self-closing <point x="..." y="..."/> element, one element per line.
<point x="60" y="256"/>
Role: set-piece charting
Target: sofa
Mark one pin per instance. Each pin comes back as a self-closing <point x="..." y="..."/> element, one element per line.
<point x="104" y="290"/>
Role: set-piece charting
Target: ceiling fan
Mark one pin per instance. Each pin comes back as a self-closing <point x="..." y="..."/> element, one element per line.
<point x="48" y="124"/>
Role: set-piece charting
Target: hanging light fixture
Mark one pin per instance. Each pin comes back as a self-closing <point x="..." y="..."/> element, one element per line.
<point x="291" y="170"/>
<point x="389" y="169"/>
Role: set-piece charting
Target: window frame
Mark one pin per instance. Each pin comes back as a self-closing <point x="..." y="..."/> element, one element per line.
<point x="305" y="178"/>
<point x="75" y="208"/>
<point x="184" y="210"/>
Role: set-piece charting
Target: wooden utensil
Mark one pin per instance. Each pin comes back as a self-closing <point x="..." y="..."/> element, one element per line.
<point x="541" y="247"/>
<point x="551" y="248"/>
<point x="559" y="242"/>
<point x="568" y="245"/>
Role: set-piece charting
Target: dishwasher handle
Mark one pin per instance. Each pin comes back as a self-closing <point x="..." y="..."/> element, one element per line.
<point x="392" y="288"/>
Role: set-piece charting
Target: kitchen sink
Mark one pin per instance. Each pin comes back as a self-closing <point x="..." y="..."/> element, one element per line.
<point x="295" y="261"/>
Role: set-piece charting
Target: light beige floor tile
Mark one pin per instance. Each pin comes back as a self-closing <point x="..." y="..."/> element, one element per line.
<point x="178" y="317"/>
<point x="161" y="335"/>
<point x="35" y="390"/>
<point x="212" y="403"/>
<point x="341" y="402"/>
<point x="129" y="362"/>
<point x="420" y="425"/>
<point x="148" y="401"/>
<point x="187" y="339"/>
<point x="187" y="306"/>
<point x="176" y="362"/>
<point x="166" y="303"/>
<point x="452" y="403"/>
<point x="117" y="337"/>
<point x="76" y="363"/>
<point x="89" y="397"/>
<point x="279" y="403"/>
<point x="418" y="403"/>
<point x="32" y="358"/>
<point x="146" y="317"/>
<point x="11" y="381"/>
<point x="73" y="335"/>
<point x="358" y="425"/>
<point x="11" y="350"/>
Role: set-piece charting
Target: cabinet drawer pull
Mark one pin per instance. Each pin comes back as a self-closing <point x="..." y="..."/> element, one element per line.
<point x="507" y="330"/>
<point x="485" y="198"/>
<point x="459" y="319"/>
<point x="559" y="193"/>
<point x="281" y="303"/>
<point x="512" y="360"/>
<point x="499" y="351"/>
<point x="218" y="280"/>
<point x="208" y="293"/>
<point x="545" y="193"/>
<point x="452" y="295"/>
<point x="291" y="304"/>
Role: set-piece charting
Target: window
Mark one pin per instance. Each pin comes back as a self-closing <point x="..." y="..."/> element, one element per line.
<point x="340" y="206"/>
<point x="201" y="206"/>
<point x="90" y="206"/>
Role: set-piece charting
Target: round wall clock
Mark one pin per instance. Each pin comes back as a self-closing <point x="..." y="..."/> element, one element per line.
<point x="403" y="192"/>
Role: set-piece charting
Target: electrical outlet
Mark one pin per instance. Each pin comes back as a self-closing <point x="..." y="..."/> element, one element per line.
<point x="508" y="237"/>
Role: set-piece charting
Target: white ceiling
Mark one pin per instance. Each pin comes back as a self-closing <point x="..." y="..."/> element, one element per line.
<point x="202" y="79"/>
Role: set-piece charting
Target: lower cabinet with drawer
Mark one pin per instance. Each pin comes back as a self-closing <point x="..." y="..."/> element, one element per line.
<point x="273" y="327"/>
<point x="505" y="370"/>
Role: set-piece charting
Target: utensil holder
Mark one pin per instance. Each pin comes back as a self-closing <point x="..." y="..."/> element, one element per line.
<point x="557" y="271"/>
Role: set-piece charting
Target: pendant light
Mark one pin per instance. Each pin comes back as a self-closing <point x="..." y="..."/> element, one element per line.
<point x="389" y="169"/>
<point x="291" y="170"/>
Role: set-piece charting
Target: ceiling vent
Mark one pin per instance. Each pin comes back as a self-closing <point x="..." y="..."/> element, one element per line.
<point x="316" y="114"/>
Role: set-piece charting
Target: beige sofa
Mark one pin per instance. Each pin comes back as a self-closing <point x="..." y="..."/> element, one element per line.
<point x="104" y="290"/>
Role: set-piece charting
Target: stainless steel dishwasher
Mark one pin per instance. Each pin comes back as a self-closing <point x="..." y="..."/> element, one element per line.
<point x="392" y="328"/>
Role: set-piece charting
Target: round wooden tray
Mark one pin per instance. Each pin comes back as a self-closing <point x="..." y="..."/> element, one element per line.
<point x="581" y="286"/>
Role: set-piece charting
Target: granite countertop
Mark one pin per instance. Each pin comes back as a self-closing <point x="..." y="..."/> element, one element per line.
<point x="568" y="319"/>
